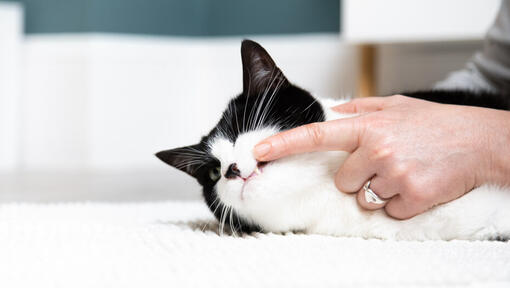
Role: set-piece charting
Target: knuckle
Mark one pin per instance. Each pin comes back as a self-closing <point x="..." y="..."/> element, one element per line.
<point x="287" y="144"/>
<point x="282" y="143"/>
<point x="355" y="105"/>
<point x="398" y="98"/>
<point x="382" y="152"/>
<point x="315" y="133"/>
<point x="281" y="140"/>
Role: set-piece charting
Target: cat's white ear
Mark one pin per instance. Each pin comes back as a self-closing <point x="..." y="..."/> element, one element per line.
<point x="260" y="73"/>
<point x="187" y="159"/>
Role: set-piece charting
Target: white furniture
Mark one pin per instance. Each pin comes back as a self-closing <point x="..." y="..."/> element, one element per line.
<point x="368" y="23"/>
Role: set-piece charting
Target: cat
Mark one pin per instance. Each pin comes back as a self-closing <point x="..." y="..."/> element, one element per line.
<point x="297" y="193"/>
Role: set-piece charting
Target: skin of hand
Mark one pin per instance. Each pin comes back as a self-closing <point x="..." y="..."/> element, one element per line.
<point x="418" y="154"/>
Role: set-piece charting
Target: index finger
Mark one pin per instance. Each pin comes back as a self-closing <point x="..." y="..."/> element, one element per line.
<point x="341" y="134"/>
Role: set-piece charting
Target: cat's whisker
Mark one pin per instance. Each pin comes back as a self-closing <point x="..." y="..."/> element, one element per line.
<point x="229" y="213"/>
<point x="237" y="121"/>
<point x="229" y="119"/>
<point x="192" y="156"/>
<point x="272" y="78"/>
<point x="216" y="204"/>
<point x="223" y="219"/>
<point x="247" y="100"/>
<point x="252" y="111"/>
<point x="199" y="166"/>
<point x="238" y="222"/>
<point x="220" y="232"/>
<point x="232" y="228"/>
<point x="256" y="106"/>
<point x="190" y="162"/>
<point x="313" y="102"/>
<point x="268" y="106"/>
<point x="192" y="149"/>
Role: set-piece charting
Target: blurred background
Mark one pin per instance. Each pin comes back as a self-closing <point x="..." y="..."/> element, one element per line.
<point x="90" y="89"/>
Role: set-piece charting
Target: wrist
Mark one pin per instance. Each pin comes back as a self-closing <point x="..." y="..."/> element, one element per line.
<point x="497" y="149"/>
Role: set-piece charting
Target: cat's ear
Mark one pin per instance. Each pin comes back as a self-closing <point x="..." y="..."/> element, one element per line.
<point x="187" y="159"/>
<point x="260" y="73"/>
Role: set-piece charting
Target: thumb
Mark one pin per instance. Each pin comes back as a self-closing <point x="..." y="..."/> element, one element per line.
<point x="341" y="134"/>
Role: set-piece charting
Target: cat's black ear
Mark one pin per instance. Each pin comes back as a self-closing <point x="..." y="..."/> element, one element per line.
<point x="187" y="159"/>
<point x="260" y="73"/>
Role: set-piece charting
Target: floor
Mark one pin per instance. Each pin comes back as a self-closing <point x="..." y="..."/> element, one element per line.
<point x="129" y="186"/>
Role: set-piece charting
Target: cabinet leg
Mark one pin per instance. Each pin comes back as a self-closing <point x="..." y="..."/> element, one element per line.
<point x="367" y="78"/>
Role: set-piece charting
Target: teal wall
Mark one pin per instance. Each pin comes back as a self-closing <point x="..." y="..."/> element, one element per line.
<point x="182" y="17"/>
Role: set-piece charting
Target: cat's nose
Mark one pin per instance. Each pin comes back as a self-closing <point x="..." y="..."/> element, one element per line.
<point x="232" y="171"/>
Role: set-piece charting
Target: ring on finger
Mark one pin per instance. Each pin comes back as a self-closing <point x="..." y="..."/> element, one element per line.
<point x="371" y="196"/>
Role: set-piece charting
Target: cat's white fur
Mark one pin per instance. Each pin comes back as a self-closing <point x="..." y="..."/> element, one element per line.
<point x="298" y="193"/>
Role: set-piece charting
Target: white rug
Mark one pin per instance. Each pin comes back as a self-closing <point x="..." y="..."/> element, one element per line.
<point x="170" y="245"/>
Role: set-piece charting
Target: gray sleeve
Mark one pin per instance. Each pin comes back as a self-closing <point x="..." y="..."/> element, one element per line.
<point x="489" y="69"/>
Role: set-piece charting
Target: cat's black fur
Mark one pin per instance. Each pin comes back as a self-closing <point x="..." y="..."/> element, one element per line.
<point x="288" y="106"/>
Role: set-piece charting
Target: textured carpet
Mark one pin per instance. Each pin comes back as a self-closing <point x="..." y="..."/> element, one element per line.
<point x="172" y="244"/>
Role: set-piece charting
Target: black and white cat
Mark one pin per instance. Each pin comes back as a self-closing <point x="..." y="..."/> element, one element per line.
<point x="297" y="193"/>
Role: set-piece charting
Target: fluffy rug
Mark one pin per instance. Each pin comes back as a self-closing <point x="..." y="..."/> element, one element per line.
<point x="175" y="244"/>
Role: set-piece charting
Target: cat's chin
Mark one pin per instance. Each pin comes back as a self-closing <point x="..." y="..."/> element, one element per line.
<point x="240" y="193"/>
<point x="236" y="193"/>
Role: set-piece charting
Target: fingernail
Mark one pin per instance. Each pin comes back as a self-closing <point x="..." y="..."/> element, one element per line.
<point x="261" y="149"/>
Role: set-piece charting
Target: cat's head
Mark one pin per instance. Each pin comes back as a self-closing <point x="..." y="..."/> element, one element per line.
<point x="246" y="194"/>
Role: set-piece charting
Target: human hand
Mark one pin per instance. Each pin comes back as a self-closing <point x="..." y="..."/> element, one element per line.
<point x="416" y="153"/>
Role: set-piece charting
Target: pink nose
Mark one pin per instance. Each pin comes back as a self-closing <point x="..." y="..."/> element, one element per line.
<point x="232" y="171"/>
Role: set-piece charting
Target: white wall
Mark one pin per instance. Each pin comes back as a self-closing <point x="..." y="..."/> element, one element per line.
<point x="388" y="21"/>
<point x="10" y="49"/>
<point x="109" y="102"/>
<point x="56" y="104"/>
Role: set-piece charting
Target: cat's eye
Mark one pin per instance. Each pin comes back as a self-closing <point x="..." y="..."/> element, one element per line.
<point x="215" y="173"/>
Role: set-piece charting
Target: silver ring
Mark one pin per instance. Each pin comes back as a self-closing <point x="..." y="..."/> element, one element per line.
<point x="370" y="195"/>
